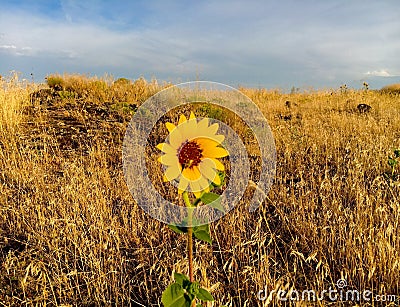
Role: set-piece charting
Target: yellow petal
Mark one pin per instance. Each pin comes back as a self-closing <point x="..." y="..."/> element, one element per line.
<point x="208" y="171"/>
<point x="212" y="129"/>
<point x="182" y="186"/>
<point x="195" y="187"/>
<point x="175" y="138"/>
<point x="170" y="160"/>
<point x="206" y="143"/>
<point x="202" y="125"/>
<point x="192" y="115"/>
<point x="204" y="184"/>
<point x="208" y="162"/>
<point x="218" y="138"/>
<point x="198" y="189"/>
<point x="172" y="173"/>
<point x="191" y="173"/>
<point x="165" y="147"/>
<point x="212" y="163"/>
<point x="217" y="180"/>
<point x="170" y="126"/>
<point x="218" y="165"/>
<point x="214" y="152"/>
<point x="182" y="119"/>
<point x="198" y="194"/>
<point x="190" y="129"/>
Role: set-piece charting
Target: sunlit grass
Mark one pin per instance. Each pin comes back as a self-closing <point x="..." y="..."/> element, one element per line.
<point x="392" y="88"/>
<point x="70" y="232"/>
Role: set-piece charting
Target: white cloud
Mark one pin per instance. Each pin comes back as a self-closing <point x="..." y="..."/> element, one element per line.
<point x="381" y="73"/>
<point x="8" y="47"/>
<point x="19" y="51"/>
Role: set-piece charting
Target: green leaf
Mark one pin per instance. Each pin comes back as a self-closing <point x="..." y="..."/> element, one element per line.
<point x="197" y="201"/>
<point x="208" y="198"/>
<point x="213" y="200"/>
<point x="204" y="295"/>
<point x="202" y="232"/>
<point x="222" y="177"/>
<point x="174" y="296"/>
<point x="392" y="162"/>
<point x="193" y="288"/>
<point x="180" y="278"/>
<point x="178" y="229"/>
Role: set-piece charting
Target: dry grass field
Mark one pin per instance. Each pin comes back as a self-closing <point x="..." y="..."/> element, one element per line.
<point x="71" y="234"/>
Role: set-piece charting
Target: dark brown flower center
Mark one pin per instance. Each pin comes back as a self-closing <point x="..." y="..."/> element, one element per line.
<point x="190" y="154"/>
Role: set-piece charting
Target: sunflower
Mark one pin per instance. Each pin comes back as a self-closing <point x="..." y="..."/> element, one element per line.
<point x="191" y="154"/>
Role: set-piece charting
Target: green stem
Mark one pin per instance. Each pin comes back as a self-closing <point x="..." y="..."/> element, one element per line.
<point x="190" y="234"/>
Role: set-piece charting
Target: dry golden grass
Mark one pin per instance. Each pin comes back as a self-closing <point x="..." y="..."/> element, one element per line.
<point x="80" y="88"/>
<point x="392" y="89"/>
<point x="70" y="233"/>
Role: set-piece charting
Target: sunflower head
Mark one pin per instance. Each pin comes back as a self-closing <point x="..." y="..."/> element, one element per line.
<point x="191" y="154"/>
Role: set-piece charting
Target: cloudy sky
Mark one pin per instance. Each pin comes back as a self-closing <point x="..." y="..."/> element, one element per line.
<point x="285" y="43"/>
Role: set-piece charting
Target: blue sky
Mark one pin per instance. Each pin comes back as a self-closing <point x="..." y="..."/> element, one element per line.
<point x="309" y="43"/>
